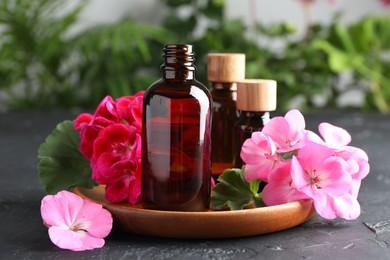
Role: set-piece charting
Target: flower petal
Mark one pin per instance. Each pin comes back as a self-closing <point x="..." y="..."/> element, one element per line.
<point x="98" y="220"/>
<point x="313" y="155"/>
<point x="61" y="209"/>
<point x="323" y="207"/>
<point x="334" y="177"/>
<point x="118" y="191"/>
<point x="346" y="207"/>
<point x="279" y="189"/>
<point x="334" y="136"/>
<point x="296" y="122"/>
<point x="82" y="121"/>
<point x="299" y="177"/>
<point x="278" y="129"/>
<point x="65" y="238"/>
<point x="258" y="152"/>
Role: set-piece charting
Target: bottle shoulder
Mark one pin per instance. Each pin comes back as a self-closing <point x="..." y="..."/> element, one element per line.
<point x="252" y="119"/>
<point x="177" y="88"/>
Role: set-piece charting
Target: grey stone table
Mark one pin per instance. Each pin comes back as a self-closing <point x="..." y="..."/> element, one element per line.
<point x="22" y="235"/>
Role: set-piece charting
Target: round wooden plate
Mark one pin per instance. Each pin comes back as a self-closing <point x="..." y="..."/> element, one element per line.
<point x="201" y="225"/>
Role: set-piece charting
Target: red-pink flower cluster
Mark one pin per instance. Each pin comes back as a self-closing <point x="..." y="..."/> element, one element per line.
<point x="298" y="164"/>
<point x="111" y="140"/>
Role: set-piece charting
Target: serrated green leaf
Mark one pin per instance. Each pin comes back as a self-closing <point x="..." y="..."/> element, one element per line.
<point x="61" y="164"/>
<point x="232" y="190"/>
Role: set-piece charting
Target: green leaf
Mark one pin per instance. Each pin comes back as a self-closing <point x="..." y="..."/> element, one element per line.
<point x="339" y="60"/>
<point x="254" y="186"/>
<point x="232" y="190"/>
<point x="345" y="39"/>
<point x="61" y="165"/>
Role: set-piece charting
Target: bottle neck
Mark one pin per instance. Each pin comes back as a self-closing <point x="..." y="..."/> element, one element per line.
<point x="178" y="62"/>
<point x="232" y="86"/>
<point x="264" y="116"/>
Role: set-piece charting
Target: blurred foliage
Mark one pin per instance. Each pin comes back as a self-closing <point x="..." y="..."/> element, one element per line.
<point x="42" y="65"/>
<point x="298" y="66"/>
<point x="364" y="49"/>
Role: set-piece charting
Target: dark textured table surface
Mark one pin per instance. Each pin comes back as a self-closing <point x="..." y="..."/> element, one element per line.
<point x="22" y="235"/>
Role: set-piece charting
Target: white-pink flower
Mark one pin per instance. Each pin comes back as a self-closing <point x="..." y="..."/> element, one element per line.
<point x="324" y="178"/>
<point x="75" y="223"/>
<point x="259" y="154"/>
<point x="287" y="132"/>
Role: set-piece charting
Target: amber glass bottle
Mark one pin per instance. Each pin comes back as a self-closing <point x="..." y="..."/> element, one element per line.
<point x="223" y="71"/>
<point x="255" y="99"/>
<point x="176" y="136"/>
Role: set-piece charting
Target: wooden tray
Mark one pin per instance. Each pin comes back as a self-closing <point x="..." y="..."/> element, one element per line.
<point x="201" y="225"/>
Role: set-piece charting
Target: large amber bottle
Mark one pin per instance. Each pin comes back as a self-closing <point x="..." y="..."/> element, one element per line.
<point x="223" y="71"/>
<point x="176" y="136"/>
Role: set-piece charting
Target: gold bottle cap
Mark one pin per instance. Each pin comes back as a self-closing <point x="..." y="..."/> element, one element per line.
<point x="256" y="95"/>
<point x="225" y="67"/>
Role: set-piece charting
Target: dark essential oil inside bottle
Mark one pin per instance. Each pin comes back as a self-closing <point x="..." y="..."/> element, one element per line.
<point x="255" y="98"/>
<point x="224" y="116"/>
<point x="176" y="136"/>
<point x="247" y="123"/>
<point x="223" y="71"/>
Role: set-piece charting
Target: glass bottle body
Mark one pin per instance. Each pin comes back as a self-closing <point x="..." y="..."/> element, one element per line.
<point x="224" y="116"/>
<point x="176" y="137"/>
<point x="247" y="123"/>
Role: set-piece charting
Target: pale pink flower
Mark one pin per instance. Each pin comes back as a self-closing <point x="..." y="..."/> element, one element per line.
<point x="259" y="154"/>
<point x="338" y="139"/>
<point x="324" y="178"/>
<point x="287" y="132"/>
<point x="75" y="223"/>
<point x="279" y="190"/>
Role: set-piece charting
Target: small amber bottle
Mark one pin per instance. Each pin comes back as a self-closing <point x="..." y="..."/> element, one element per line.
<point x="255" y="99"/>
<point x="176" y="136"/>
<point x="223" y="71"/>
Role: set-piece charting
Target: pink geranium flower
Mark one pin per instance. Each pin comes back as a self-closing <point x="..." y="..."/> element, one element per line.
<point x="259" y="154"/>
<point x="298" y="164"/>
<point x="324" y="178"/>
<point x="287" y="132"/>
<point x="279" y="189"/>
<point x="75" y="223"/>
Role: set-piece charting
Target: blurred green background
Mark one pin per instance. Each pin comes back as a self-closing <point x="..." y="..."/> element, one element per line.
<point x="42" y="66"/>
